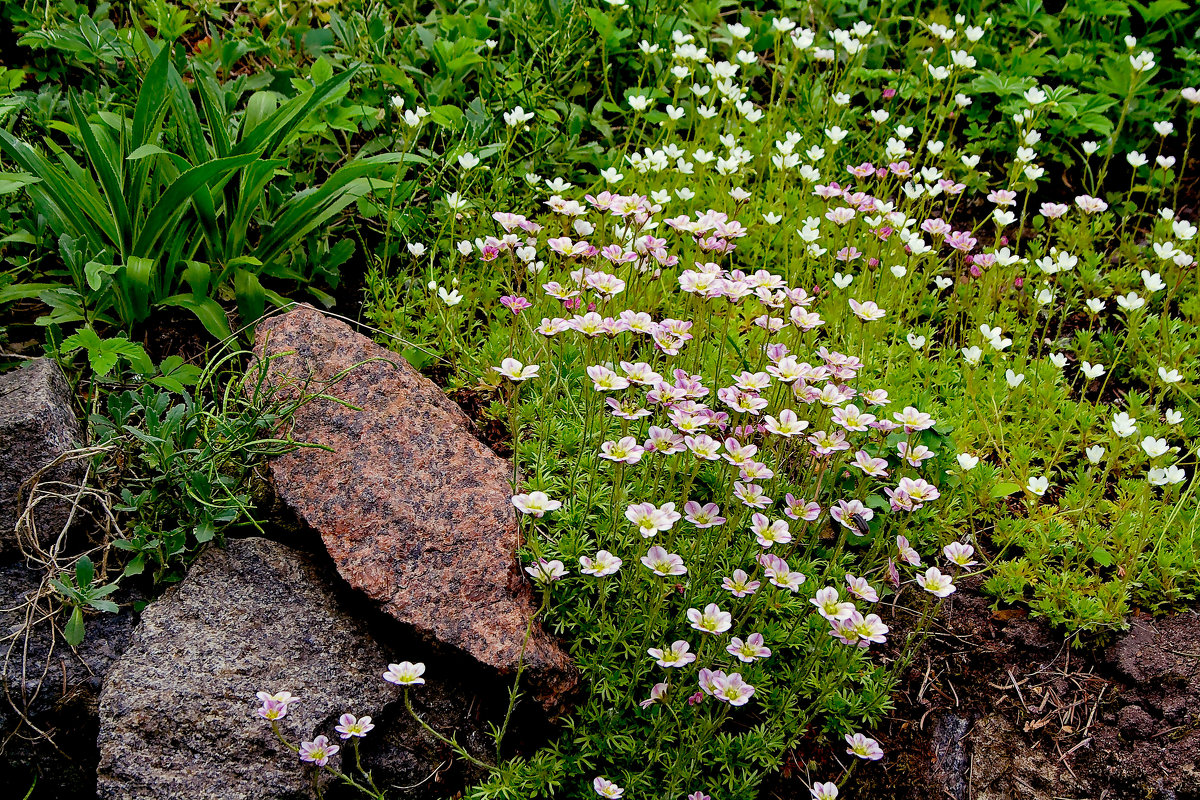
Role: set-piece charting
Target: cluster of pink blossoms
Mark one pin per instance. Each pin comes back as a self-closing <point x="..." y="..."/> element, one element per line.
<point x="320" y="749"/>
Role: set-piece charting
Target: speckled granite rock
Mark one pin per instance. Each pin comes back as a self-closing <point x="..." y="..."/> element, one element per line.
<point x="37" y="424"/>
<point x="415" y="511"/>
<point x="177" y="712"/>
<point x="51" y="687"/>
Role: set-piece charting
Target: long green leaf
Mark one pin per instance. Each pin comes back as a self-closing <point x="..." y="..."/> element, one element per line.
<point x="214" y="111"/>
<point x="76" y="207"/>
<point x="152" y="99"/>
<point x="196" y="145"/>
<point x="272" y="132"/>
<point x="110" y="180"/>
<point x="175" y="199"/>
<point x="250" y="196"/>
<point x="305" y="210"/>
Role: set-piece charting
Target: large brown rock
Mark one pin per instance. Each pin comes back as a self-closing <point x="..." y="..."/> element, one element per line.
<point x="37" y="425"/>
<point x="415" y="511"/>
<point x="177" y="711"/>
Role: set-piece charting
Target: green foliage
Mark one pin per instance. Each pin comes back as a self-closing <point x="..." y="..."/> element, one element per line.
<point x="80" y="590"/>
<point x="141" y="226"/>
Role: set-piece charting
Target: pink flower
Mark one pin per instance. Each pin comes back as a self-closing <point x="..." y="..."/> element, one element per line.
<point x="960" y="554"/>
<point x="733" y="690"/>
<point x="626" y="451"/>
<point x="824" y="791"/>
<point x="861" y="589"/>
<point x="275" y="706"/>
<point x="846" y="510"/>
<point x="273" y="709"/>
<point x="907" y="553"/>
<point x="751" y="495"/>
<point x="546" y="571"/>
<point x="606" y="788"/>
<point x="675" y="656"/>
<point x="864" y="747"/>
<point x="740" y="584"/>
<point x="515" y="303"/>
<point x="868" y="311"/>
<point x="657" y="693"/>
<point x="318" y="751"/>
<point x="749" y="650"/>
<point x="662" y="563"/>
<point x="349" y="725"/>
<point x="798" y="508"/>
<point x="604" y="563"/>
<point x="711" y="620"/>
<point x="707" y="516"/>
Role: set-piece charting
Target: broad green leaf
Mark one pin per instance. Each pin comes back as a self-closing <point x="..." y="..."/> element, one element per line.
<point x="85" y="571"/>
<point x="1004" y="490"/>
<point x="16" y="181"/>
<point x="73" y="631"/>
<point x="207" y="310"/>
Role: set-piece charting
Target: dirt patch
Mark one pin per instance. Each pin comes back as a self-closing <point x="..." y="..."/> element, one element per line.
<point x="996" y="706"/>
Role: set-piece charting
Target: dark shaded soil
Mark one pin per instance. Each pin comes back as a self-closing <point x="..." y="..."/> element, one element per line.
<point x="997" y="706"/>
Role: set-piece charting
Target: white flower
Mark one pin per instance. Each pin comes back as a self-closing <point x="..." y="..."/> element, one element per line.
<point x="416" y="249"/>
<point x="451" y="298"/>
<point x="1038" y="486"/>
<point x="1172" y="416"/>
<point x="1155" y="447"/>
<point x="1091" y="371"/>
<point x="1013" y="379"/>
<point x="972" y="354"/>
<point x="1058" y="359"/>
<point x="1162" y="476"/>
<point x="934" y="582"/>
<point x="468" y="160"/>
<point x="1169" y="375"/>
<point x="535" y="504"/>
<point x="1094" y="453"/>
<point x="967" y="461"/>
<point x="1123" y="425"/>
<point x="513" y="370"/>
<point x="1130" y="301"/>
<point x="611" y="175"/>
<point x="518" y="116"/>
<point x="1136" y="159"/>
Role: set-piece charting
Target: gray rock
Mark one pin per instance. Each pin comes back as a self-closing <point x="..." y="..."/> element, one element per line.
<point x="50" y="692"/>
<point x="177" y="713"/>
<point x="37" y="424"/>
